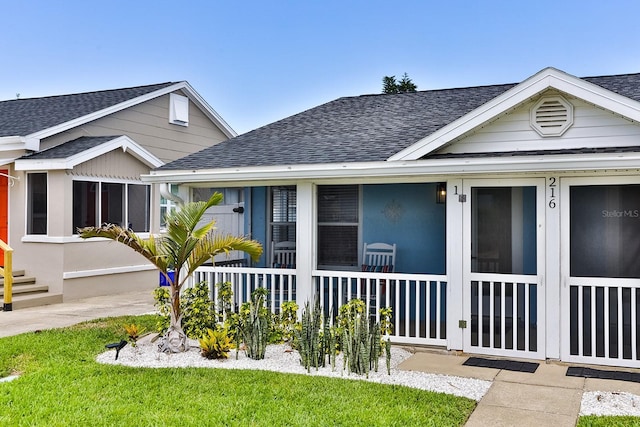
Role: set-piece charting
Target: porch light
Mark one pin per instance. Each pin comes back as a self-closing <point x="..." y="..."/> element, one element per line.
<point x="441" y="192"/>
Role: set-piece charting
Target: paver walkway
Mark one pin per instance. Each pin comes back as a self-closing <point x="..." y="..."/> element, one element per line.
<point x="545" y="398"/>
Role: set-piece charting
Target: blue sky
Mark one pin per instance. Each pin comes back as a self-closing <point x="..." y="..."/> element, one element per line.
<point x="258" y="61"/>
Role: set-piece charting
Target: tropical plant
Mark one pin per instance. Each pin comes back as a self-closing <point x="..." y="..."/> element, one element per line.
<point x="308" y="336"/>
<point x="225" y="295"/>
<point x="254" y="324"/>
<point x="133" y="333"/>
<point x="198" y="311"/>
<point x="182" y="248"/>
<point x="216" y="344"/>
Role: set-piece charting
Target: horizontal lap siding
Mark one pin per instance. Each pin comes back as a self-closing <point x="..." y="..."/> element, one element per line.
<point x="592" y="127"/>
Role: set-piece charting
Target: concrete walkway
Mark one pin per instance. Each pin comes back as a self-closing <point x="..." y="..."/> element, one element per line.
<point x="545" y="398"/>
<point x="69" y="313"/>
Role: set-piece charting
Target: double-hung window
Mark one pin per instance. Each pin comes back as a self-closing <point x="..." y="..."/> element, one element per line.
<point x="283" y="214"/>
<point x="96" y="203"/>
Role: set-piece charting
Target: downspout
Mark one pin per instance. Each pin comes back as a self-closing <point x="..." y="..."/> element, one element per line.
<point x="164" y="192"/>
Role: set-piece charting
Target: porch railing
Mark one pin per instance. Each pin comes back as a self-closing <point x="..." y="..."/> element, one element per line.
<point x="604" y="321"/>
<point x="418" y="301"/>
<point x="6" y="271"/>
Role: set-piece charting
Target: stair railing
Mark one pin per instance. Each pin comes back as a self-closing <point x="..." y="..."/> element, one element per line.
<point x="7" y="273"/>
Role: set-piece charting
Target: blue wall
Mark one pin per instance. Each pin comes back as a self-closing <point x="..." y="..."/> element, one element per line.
<point x="258" y="211"/>
<point x="407" y="215"/>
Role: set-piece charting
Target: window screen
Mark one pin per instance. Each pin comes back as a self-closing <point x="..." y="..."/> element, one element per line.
<point x="605" y="230"/>
<point x="37" y="203"/>
<point x="338" y="221"/>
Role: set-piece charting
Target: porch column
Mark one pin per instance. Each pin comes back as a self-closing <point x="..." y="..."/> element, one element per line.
<point x="455" y="264"/>
<point x="305" y="242"/>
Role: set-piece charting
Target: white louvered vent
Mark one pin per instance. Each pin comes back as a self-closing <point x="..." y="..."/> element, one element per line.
<point x="552" y="116"/>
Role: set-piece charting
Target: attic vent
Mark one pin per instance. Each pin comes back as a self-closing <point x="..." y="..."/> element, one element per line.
<point x="178" y="109"/>
<point x="552" y="116"/>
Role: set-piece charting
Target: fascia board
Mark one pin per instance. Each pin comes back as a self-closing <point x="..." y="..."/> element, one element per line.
<point x="541" y="81"/>
<point x="204" y="106"/>
<point x="409" y="168"/>
<point x="123" y="142"/>
<point x="191" y="93"/>
<point x="9" y="143"/>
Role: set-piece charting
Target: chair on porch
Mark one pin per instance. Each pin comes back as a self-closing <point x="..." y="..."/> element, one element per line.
<point x="283" y="254"/>
<point x="378" y="258"/>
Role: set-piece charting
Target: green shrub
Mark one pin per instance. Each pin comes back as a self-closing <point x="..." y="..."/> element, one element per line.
<point x="198" y="312"/>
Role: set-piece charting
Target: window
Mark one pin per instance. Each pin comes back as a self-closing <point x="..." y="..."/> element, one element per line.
<point x="126" y="205"/>
<point x="37" y="203"/>
<point x="167" y="206"/>
<point x="604" y="230"/>
<point x="230" y="196"/>
<point x="283" y="214"/>
<point x="338" y="222"/>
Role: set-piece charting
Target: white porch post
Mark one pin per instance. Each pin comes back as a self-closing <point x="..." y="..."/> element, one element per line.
<point x="455" y="286"/>
<point x="305" y="243"/>
<point x="552" y="264"/>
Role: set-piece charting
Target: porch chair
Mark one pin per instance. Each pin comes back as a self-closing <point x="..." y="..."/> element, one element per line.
<point x="378" y="258"/>
<point x="283" y="254"/>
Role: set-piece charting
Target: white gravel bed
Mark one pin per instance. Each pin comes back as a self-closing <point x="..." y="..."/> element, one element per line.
<point x="280" y="358"/>
<point x="610" y="403"/>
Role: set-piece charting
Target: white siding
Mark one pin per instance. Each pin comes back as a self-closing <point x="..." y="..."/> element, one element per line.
<point x="592" y="127"/>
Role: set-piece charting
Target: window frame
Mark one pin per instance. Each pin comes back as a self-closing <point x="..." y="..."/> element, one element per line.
<point x="125" y="203"/>
<point x="29" y="200"/>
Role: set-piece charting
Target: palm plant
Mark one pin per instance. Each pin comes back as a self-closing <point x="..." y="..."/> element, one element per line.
<point x="182" y="248"/>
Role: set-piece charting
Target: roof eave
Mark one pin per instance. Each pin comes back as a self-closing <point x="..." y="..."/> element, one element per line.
<point x="122" y="142"/>
<point x="406" y="168"/>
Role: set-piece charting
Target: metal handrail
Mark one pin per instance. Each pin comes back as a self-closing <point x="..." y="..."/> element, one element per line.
<point x="7" y="273"/>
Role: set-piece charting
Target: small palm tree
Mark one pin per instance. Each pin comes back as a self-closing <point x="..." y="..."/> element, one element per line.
<point x="182" y="248"/>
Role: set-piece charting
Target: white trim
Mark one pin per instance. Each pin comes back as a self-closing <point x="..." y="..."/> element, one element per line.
<point x="184" y="86"/>
<point x="429" y="167"/>
<point x="534" y="85"/>
<point x="38" y="238"/>
<point x="107" y="271"/>
<point x="123" y="142"/>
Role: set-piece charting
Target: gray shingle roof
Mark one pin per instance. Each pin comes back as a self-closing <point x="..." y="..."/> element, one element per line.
<point x="70" y="148"/>
<point x="20" y="117"/>
<point x="362" y="128"/>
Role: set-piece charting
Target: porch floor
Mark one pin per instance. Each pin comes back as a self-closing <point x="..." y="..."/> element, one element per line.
<point x="546" y="397"/>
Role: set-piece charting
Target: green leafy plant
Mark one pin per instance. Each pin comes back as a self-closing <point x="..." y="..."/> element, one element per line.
<point x="225" y="297"/>
<point x="308" y="336"/>
<point x="386" y="328"/>
<point x="198" y="313"/>
<point x="254" y="324"/>
<point x="133" y="332"/>
<point x="198" y="310"/>
<point x="283" y="324"/>
<point x="361" y="339"/>
<point x="183" y="248"/>
<point x="216" y="344"/>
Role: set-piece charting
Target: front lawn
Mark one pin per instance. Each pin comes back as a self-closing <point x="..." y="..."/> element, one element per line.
<point x="61" y="385"/>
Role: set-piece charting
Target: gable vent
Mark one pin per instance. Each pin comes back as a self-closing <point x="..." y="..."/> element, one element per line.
<point x="552" y="116"/>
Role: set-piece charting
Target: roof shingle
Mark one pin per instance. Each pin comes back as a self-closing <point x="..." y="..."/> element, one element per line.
<point x="362" y="128"/>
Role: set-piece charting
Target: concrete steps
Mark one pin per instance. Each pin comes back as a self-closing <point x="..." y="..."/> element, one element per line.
<point x="27" y="293"/>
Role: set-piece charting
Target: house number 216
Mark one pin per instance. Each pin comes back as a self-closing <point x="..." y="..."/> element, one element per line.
<point x="552" y="192"/>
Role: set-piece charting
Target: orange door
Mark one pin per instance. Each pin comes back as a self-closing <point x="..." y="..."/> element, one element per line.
<point x="4" y="210"/>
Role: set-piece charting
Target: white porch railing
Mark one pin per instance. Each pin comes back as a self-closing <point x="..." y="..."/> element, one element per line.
<point x="604" y="321"/>
<point x="280" y="283"/>
<point x="418" y="301"/>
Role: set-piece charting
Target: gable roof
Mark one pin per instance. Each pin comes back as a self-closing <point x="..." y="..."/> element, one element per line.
<point x="32" y="119"/>
<point x="375" y="128"/>
<point x="74" y="152"/>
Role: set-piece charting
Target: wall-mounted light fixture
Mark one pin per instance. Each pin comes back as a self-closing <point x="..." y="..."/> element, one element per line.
<point x="441" y="192"/>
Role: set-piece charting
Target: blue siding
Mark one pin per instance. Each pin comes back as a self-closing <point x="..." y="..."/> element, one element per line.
<point x="408" y="215"/>
<point x="258" y="212"/>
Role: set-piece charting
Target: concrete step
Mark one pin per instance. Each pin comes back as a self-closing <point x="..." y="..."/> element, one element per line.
<point x="28" y="288"/>
<point x="35" y="300"/>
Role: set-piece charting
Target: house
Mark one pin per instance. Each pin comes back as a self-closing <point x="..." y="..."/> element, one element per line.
<point x="75" y="160"/>
<point x="514" y="210"/>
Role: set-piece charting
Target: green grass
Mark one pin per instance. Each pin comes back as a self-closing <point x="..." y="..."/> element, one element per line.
<point x="61" y="385"/>
<point x="609" y="421"/>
